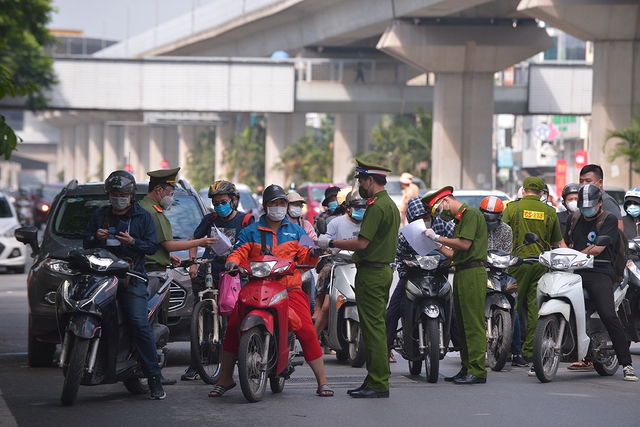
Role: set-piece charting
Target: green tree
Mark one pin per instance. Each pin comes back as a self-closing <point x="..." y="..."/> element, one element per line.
<point x="245" y="156"/>
<point x="628" y="146"/>
<point x="403" y="144"/>
<point x="311" y="158"/>
<point x="202" y="159"/>
<point x="24" y="67"/>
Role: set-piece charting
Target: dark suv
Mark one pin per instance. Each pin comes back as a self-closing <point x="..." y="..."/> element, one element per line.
<point x="65" y="230"/>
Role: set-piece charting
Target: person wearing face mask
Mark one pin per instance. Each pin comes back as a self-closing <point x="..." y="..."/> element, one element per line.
<point x="524" y="216"/>
<point x="415" y="212"/>
<point x="580" y="235"/>
<point x="375" y="249"/>
<point x="570" y="202"/>
<point x="593" y="174"/>
<point x="127" y="230"/>
<point x="632" y="207"/>
<point x="282" y="238"/>
<point x="294" y="213"/>
<point x="330" y="201"/>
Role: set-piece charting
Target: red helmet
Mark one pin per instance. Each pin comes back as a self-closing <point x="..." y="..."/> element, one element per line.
<point x="491" y="207"/>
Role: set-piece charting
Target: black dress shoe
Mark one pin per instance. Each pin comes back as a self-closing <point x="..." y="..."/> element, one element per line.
<point x="353" y="390"/>
<point x="470" y="379"/>
<point x="369" y="392"/>
<point x="455" y="377"/>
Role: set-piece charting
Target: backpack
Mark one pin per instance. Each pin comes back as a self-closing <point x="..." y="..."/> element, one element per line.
<point x="620" y="252"/>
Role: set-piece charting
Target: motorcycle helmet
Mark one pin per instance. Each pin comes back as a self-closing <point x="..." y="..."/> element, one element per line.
<point x="223" y="187"/>
<point x="357" y="203"/>
<point x="571" y="188"/>
<point x="633" y="195"/>
<point x="492" y="208"/>
<point x="343" y="196"/>
<point x="415" y="209"/>
<point x="589" y="196"/>
<point x="273" y="192"/>
<point x="121" y="181"/>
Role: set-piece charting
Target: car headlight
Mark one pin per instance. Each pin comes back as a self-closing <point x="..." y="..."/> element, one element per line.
<point x="59" y="266"/>
<point x="11" y="232"/>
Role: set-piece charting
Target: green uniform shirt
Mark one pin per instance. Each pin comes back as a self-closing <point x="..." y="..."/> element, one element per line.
<point x="380" y="226"/>
<point x="163" y="229"/>
<point x="472" y="226"/>
<point x="530" y="215"/>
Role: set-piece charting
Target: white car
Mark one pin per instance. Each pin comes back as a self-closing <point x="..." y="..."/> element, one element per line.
<point x="474" y="197"/>
<point x="13" y="254"/>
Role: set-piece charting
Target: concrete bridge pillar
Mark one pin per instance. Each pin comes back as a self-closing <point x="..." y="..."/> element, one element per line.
<point x="351" y="137"/>
<point x="187" y="137"/>
<point x="133" y="137"/>
<point x="95" y="161"/>
<point x="464" y="58"/>
<point x="81" y="153"/>
<point x="614" y="26"/>
<point x="67" y="147"/>
<point x="223" y="135"/>
<point x="111" y="150"/>
<point x="282" y="130"/>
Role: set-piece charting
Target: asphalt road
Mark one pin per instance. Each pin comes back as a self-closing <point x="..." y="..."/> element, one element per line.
<point x="30" y="397"/>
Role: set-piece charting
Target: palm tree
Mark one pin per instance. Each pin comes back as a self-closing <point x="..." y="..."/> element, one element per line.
<point x="628" y="145"/>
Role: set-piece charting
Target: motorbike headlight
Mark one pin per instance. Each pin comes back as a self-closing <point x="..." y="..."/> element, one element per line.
<point x="98" y="263"/>
<point x="59" y="266"/>
<point x="429" y="262"/>
<point x="561" y="261"/>
<point x="489" y="284"/>
<point x="262" y="268"/>
<point x="279" y="296"/>
<point x="633" y="268"/>
<point x="499" y="261"/>
<point x="432" y="311"/>
<point x="64" y="290"/>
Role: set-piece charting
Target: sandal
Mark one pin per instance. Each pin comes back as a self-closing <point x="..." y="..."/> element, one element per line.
<point x="219" y="390"/>
<point x="324" y="391"/>
<point x="392" y="358"/>
<point x="581" y="366"/>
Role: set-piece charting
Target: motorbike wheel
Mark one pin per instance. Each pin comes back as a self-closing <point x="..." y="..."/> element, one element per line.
<point x="432" y="350"/>
<point x="206" y="354"/>
<point x="498" y="348"/>
<point x="545" y="357"/>
<point x="356" y="348"/>
<point x="277" y="383"/>
<point x="253" y="380"/>
<point x="137" y="385"/>
<point x="74" y="371"/>
<point x="415" y="367"/>
<point x="607" y="369"/>
<point x="342" y="355"/>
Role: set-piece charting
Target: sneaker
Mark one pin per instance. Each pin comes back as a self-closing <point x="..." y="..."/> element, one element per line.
<point x="528" y="359"/>
<point x="532" y="372"/>
<point x="190" y="374"/>
<point x="519" y="361"/>
<point x="155" y="386"/>
<point x="628" y="373"/>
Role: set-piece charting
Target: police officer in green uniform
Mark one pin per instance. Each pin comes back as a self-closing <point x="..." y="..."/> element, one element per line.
<point x="469" y="244"/>
<point x="375" y="249"/>
<point x="530" y="215"/>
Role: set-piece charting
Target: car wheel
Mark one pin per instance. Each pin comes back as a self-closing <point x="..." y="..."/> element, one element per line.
<point x="18" y="270"/>
<point x="40" y="354"/>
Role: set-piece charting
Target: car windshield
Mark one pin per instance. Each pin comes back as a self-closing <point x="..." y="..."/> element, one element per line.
<point x="247" y="201"/>
<point x="475" y="200"/>
<point x="317" y="193"/>
<point x="5" y="209"/>
<point x="184" y="215"/>
<point x="50" y="192"/>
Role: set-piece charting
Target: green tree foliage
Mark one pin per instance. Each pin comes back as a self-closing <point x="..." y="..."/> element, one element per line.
<point x="311" y="159"/>
<point x="201" y="160"/>
<point x="245" y="156"/>
<point x="403" y="144"/>
<point x="628" y="145"/>
<point x="24" y="67"/>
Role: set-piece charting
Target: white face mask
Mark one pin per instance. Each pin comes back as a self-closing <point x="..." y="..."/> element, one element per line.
<point x="295" y="211"/>
<point x="119" y="203"/>
<point x="572" y="206"/>
<point x="276" y="213"/>
<point x="166" y="201"/>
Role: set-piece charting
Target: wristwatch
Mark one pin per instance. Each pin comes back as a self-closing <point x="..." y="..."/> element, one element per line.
<point x="331" y="244"/>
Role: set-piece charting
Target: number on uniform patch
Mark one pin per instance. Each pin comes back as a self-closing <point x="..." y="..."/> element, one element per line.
<point x="533" y="215"/>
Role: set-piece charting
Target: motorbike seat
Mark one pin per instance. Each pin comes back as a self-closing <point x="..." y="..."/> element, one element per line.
<point x="153" y="285"/>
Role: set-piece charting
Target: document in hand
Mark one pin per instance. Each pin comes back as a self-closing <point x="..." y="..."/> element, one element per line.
<point x="414" y="233"/>
<point x="223" y="245"/>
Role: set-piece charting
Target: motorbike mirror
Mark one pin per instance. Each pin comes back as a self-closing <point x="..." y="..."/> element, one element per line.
<point x="28" y="236"/>
<point x="118" y="269"/>
<point x="602" y="241"/>
<point x="531" y="238"/>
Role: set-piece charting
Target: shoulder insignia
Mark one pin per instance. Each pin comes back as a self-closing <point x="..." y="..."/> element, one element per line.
<point x="158" y="208"/>
<point x="371" y="201"/>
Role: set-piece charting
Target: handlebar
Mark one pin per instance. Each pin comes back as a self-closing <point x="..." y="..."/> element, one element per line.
<point x="198" y="261"/>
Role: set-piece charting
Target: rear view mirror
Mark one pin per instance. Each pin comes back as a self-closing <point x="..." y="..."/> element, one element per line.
<point x="531" y="238"/>
<point x="602" y="241"/>
<point x="28" y="236"/>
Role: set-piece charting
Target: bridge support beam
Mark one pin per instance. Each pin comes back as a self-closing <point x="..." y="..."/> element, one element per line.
<point x="464" y="58"/>
<point x="614" y="26"/>
<point x="351" y="136"/>
<point x="95" y="152"/>
<point x="282" y="130"/>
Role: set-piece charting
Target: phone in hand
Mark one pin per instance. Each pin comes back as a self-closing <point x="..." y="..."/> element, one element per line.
<point x="123" y="226"/>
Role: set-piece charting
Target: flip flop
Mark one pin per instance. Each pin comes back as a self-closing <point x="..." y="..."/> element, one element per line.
<point x="324" y="391"/>
<point x="220" y="390"/>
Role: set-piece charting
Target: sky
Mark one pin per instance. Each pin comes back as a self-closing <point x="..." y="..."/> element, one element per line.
<point x="117" y="19"/>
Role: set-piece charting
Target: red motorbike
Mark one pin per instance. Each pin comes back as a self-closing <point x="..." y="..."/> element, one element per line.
<point x="266" y="348"/>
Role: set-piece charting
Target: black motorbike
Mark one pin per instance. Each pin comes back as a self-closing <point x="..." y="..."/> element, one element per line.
<point x="427" y="313"/>
<point x="630" y="307"/>
<point x="500" y="306"/>
<point x="97" y="346"/>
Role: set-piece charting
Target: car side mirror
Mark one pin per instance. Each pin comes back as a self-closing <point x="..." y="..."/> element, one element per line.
<point x="28" y="236"/>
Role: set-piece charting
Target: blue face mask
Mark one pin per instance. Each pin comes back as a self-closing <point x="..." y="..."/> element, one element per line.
<point x="492" y="224"/>
<point x="588" y="212"/>
<point x="357" y="214"/>
<point x="223" y="210"/>
<point x="332" y="206"/>
<point x="633" y="210"/>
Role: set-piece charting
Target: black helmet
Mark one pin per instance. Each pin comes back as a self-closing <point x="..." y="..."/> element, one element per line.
<point x="571" y="188"/>
<point x="273" y="192"/>
<point x="223" y="187"/>
<point x="589" y="196"/>
<point x="121" y="181"/>
<point x="355" y="201"/>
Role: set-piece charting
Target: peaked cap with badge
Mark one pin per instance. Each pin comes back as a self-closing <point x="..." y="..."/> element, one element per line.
<point x="162" y="176"/>
<point x="368" y="168"/>
<point x="432" y="199"/>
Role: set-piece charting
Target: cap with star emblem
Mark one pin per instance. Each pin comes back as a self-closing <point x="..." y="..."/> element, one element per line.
<point x="368" y="168"/>
<point x="431" y="199"/>
<point x="162" y="176"/>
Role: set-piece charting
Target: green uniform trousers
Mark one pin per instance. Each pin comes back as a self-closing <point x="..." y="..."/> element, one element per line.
<point x="469" y="294"/>
<point x="527" y="276"/>
<point x="372" y="296"/>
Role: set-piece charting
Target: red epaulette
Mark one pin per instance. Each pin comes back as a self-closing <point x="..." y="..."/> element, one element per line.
<point x="371" y="201"/>
<point x="158" y="208"/>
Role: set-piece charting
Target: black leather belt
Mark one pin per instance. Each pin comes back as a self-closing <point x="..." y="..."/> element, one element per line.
<point x="155" y="267"/>
<point x="371" y="264"/>
<point x="461" y="267"/>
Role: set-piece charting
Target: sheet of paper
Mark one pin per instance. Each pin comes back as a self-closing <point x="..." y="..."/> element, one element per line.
<point x="223" y="245"/>
<point x="414" y="233"/>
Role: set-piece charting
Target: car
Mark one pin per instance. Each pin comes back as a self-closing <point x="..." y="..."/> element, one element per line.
<point x="394" y="188"/>
<point x="313" y="194"/>
<point x="617" y="193"/>
<point x="247" y="202"/>
<point x="42" y="202"/>
<point x="64" y="231"/>
<point x="474" y="197"/>
<point x="13" y="254"/>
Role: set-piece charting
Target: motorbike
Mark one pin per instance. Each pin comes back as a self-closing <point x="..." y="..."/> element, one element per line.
<point x="500" y="306"/>
<point x="343" y="333"/>
<point x="569" y="328"/>
<point x="266" y="349"/>
<point x="97" y="346"/>
<point x="426" y="320"/>
<point x="630" y="314"/>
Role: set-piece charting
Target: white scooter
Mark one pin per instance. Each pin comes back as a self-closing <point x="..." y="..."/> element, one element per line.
<point x="569" y="328"/>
